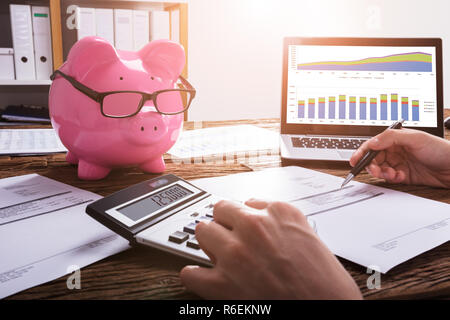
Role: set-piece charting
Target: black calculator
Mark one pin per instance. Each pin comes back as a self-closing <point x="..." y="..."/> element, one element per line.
<point x="162" y="213"/>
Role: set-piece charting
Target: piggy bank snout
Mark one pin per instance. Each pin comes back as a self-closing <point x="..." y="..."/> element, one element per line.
<point x="145" y="128"/>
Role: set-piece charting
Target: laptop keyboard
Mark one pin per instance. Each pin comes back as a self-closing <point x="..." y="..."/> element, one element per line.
<point x="327" y="143"/>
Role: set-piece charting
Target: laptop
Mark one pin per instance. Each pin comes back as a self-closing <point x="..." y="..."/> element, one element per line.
<point x="339" y="92"/>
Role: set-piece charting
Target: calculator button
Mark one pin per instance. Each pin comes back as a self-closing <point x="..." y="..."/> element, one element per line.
<point x="178" y="237"/>
<point x="203" y="219"/>
<point x="194" y="214"/>
<point x="210" y="206"/>
<point x="190" y="228"/>
<point x="193" y="243"/>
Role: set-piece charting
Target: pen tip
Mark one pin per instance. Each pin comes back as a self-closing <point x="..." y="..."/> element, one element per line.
<point x="347" y="180"/>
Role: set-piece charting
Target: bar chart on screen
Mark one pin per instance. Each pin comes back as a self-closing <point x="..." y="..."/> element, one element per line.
<point x="364" y="86"/>
<point x="357" y="108"/>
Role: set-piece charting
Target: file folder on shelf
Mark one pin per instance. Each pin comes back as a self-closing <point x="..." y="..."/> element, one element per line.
<point x="175" y="26"/>
<point x="86" y="22"/>
<point x="42" y="42"/>
<point x="7" y="64"/>
<point x="159" y="25"/>
<point x="141" y="29"/>
<point x="123" y="29"/>
<point x="104" y="19"/>
<point x="22" y="36"/>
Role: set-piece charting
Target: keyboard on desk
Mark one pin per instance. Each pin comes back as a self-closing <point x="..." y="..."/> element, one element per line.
<point x="327" y="143"/>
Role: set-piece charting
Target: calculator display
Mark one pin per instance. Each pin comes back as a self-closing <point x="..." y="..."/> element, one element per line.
<point x="153" y="203"/>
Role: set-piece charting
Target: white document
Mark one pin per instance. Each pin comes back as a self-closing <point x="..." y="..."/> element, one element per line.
<point x="86" y="25"/>
<point x="175" y="27"/>
<point x="42" y="42"/>
<point x="104" y="19"/>
<point x="123" y="29"/>
<point x="45" y="232"/>
<point x="29" y="141"/>
<point x="22" y="36"/>
<point x="371" y="226"/>
<point x="159" y="25"/>
<point x="224" y="140"/>
<point x="141" y="29"/>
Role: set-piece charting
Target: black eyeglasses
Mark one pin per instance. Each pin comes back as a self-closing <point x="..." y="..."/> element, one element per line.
<point x="123" y="104"/>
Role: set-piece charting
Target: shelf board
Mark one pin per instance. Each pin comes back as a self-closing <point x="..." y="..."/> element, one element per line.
<point x="153" y="1"/>
<point x="158" y="1"/>
<point x="25" y="82"/>
<point x="163" y="3"/>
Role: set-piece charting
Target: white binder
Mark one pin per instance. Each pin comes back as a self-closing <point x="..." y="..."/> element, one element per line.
<point x="104" y="19"/>
<point x="86" y="22"/>
<point x="7" y="64"/>
<point x="141" y="29"/>
<point x="175" y="26"/>
<point x="160" y="25"/>
<point x="42" y="42"/>
<point x="22" y="35"/>
<point x="123" y="29"/>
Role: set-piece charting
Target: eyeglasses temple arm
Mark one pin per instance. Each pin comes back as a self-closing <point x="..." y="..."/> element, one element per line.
<point x="78" y="85"/>
<point x="188" y="86"/>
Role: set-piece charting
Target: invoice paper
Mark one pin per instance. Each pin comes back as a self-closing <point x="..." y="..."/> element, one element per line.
<point x="369" y="225"/>
<point x="224" y="140"/>
<point x="45" y="232"/>
<point x="29" y="141"/>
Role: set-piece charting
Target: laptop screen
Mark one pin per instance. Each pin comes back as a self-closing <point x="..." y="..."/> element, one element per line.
<point x="361" y="85"/>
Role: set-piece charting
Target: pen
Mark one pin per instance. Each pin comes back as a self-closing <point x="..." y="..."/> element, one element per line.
<point x="367" y="158"/>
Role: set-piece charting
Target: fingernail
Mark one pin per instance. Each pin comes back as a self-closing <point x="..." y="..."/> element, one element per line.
<point x="191" y="267"/>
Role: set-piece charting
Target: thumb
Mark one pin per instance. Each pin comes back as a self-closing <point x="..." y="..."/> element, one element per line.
<point x="199" y="280"/>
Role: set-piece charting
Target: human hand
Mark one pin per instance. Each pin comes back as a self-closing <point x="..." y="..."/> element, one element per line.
<point x="265" y="254"/>
<point x="408" y="156"/>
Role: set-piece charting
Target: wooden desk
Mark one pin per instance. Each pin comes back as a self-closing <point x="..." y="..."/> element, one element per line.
<point x="145" y="273"/>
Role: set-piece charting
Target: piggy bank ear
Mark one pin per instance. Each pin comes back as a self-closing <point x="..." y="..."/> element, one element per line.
<point x="163" y="58"/>
<point x="88" y="53"/>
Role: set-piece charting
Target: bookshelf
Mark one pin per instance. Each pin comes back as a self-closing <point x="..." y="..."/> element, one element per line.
<point x="10" y="90"/>
<point x="167" y="5"/>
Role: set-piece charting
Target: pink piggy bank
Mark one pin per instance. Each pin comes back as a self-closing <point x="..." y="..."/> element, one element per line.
<point x="115" y="108"/>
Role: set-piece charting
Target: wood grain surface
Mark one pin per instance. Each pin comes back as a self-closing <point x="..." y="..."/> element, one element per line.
<point x="146" y="273"/>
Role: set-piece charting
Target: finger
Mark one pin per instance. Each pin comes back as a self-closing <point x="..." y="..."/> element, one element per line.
<point x="394" y="159"/>
<point x="392" y="175"/>
<point x="363" y="149"/>
<point x="400" y="177"/>
<point x="388" y="173"/>
<point x="228" y="213"/>
<point x="285" y="211"/>
<point x="257" y="203"/>
<point x="374" y="170"/>
<point x="401" y="137"/>
<point x="391" y="137"/>
<point x="380" y="158"/>
<point x="212" y="237"/>
<point x="359" y="153"/>
<point x="203" y="281"/>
